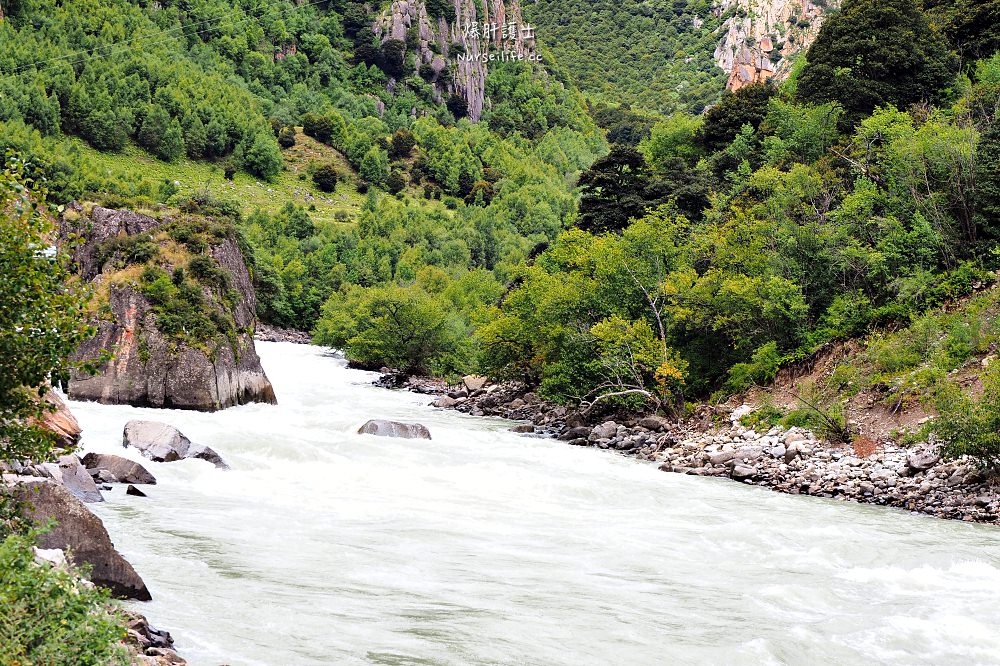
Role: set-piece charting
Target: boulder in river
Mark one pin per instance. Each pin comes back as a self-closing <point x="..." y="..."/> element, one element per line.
<point x="82" y="533"/>
<point x="161" y="442"/>
<point x="395" y="429"/>
<point x="119" y="469"/>
<point x="73" y="476"/>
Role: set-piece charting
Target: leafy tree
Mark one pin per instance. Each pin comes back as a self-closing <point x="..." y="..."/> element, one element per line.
<point x="393" y="57"/>
<point x="402" y="327"/>
<point x="41" y="315"/>
<point x="988" y="176"/>
<point x="286" y="137"/>
<point x="968" y="426"/>
<point x="375" y="166"/>
<point x="325" y="177"/>
<point x="972" y="27"/>
<point x="401" y="144"/>
<point x="259" y="155"/>
<point x="458" y="106"/>
<point x="874" y="53"/>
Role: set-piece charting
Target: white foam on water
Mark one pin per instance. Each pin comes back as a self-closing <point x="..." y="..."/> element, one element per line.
<point x="322" y="546"/>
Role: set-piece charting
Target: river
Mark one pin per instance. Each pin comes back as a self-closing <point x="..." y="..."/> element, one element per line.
<point x="480" y="546"/>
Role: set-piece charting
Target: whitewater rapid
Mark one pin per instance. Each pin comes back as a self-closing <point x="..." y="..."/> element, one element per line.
<point x="322" y="546"/>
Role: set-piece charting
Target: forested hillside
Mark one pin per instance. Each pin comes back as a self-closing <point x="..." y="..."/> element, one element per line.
<point x="657" y="56"/>
<point x="344" y="157"/>
<point x="845" y="201"/>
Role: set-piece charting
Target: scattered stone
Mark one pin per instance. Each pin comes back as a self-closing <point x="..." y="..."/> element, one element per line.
<point x="445" y="402"/>
<point x="742" y="472"/>
<point x="394" y="429"/>
<point x="523" y="428"/>
<point x="922" y="461"/>
<point x="116" y="469"/>
<point x="132" y="490"/>
<point x="474" y="383"/>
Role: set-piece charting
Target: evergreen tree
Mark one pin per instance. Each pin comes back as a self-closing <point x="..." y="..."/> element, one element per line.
<point x="875" y="53"/>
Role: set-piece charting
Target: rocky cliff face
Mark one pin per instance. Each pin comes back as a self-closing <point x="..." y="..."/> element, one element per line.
<point x="762" y="37"/>
<point x="456" y="54"/>
<point x="151" y="367"/>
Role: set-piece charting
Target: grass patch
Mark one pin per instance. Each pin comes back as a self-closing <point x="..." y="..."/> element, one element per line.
<point x="188" y="178"/>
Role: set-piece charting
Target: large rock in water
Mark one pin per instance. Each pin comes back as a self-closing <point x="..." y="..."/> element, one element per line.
<point x="83" y="533"/>
<point x="122" y="470"/>
<point x="161" y="442"/>
<point x="151" y="368"/>
<point x="395" y="429"/>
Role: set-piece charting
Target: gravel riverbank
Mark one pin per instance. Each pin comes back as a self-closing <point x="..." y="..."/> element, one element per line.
<point x="715" y="443"/>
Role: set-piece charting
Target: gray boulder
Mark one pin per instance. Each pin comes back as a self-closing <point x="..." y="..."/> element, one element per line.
<point x="394" y="429"/>
<point x="161" y="442"/>
<point x="606" y="430"/>
<point x="115" y="469"/>
<point x="446" y="402"/>
<point x="655" y="423"/>
<point x="81" y="533"/>
<point x="921" y="461"/>
<point x="74" y="477"/>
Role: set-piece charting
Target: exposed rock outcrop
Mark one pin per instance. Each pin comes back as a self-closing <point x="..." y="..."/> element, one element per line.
<point x="458" y="51"/>
<point x="81" y="533"/>
<point x="161" y="442"/>
<point x="395" y="429"/>
<point x="151" y="368"/>
<point x="763" y="37"/>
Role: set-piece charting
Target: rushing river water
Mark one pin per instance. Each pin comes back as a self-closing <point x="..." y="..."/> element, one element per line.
<point x="322" y="546"/>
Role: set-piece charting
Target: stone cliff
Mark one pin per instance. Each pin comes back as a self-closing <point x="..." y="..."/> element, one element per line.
<point x="178" y="321"/>
<point x="454" y="55"/>
<point x="762" y="38"/>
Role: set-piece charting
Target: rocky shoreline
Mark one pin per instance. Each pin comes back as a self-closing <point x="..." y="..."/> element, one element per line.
<point x="716" y="443"/>
<point x="266" y="333"/>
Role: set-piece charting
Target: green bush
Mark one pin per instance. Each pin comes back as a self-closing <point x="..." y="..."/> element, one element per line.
<point x="967" y="426"/>
<point x="325" y="177"/>
<point x="48" y="615"/>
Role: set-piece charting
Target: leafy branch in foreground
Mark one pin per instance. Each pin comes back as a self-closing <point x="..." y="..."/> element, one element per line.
<point x="41" y="313"/>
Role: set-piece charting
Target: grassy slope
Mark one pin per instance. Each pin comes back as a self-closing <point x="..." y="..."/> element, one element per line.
<point x="293" y="184"/>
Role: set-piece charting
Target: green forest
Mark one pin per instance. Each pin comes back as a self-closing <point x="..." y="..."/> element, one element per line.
<point x="652" y="252"/>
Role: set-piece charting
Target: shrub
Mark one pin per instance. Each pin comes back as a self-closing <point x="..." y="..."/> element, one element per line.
<point x="49" y="615"/>
<point x="325" y="177"/>
<point x="259" y="155"/>
<point x="967" y="426"/>
<point x="286" y="137"/>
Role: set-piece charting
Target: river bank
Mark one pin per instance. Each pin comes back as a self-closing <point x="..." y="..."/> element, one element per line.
<point x="715" y="443"/>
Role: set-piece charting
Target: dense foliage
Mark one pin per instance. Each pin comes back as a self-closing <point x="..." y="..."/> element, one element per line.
<point x="50" y="615"/>
<point x="654" y="55"/>
<point x="768" y="228"/>
<point x="47" y="615"/>
<point x="41" y="313"/>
